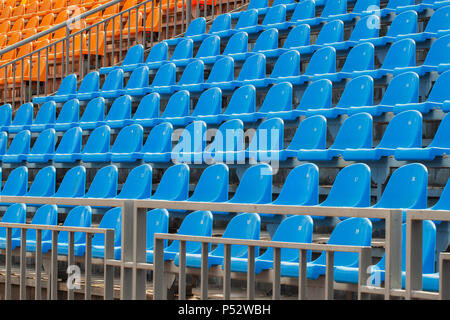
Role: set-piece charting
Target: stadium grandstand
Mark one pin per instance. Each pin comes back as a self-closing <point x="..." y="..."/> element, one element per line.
<point x="225" y="149"/>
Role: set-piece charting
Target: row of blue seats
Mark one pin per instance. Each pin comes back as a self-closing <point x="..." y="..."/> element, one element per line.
<point x="406" y="188"/>
<point x="400" y="58"/>
<point x="294" y="229"/>
<point x="331" y="34"/>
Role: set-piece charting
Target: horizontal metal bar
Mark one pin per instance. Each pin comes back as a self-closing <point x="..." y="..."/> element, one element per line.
<point x="441" y="215"/>
<point x="100" y="202"/>
<point x="52" y="227"/>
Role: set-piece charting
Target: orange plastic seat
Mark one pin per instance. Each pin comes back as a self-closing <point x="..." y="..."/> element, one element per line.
<point x="3" y="40"/>
<point x="127" y="5"/>
<point x="47" y="21"/>
<point x="94" y="40"/>
<point x="19" y="72"/>
<point x="113" y="25"/>
<point x="10" y="3"/>
<point x="18" y="12"/>
<point x="45" y="7"/>
<point x="62" y="16"/>
<point x="152" y="25"/>
<point x="6" y="13"/>
<point x="31" y="10"/>
<point x="95" y="17"/>
<point x="130" y="26"/>
<point x="32" y="23"/>
<point x="59" y="5"/>
<point x="18" y="25"/>
<point x="4" y="27"/>
<point x="2" y="74"/>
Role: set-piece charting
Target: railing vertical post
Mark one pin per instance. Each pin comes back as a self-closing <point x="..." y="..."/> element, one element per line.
<point x="302" y="274"/>
<point x="444" y="279"/>
<point x="70" y="263"/>
<point x="108" y="276"/>
<point x="54" y="267"/>
<point x="23" y="264"/>
<point x="139" y="255"/>
<point x="226" y="271"/>
<point x="413" y="266"/>
<point x="329" y="277"/>
<point x="251" y="273"/>
<point x="38" y="264"/>
<point x="182" y="271"/>
<point x="66" y="51"/>
<point x="126" y="273"/>
<point x="8" y="264"/>
<point x="88" y="267"/>
<point x="159" y="288"/>
<point x="363" y="276"/>
<point x="276" y="274"/>
<point x="393" y="252"/>
<point x="204" y="272"/>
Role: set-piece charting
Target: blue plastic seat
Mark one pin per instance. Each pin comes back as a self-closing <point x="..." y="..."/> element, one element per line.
<point x="183" y="50"/>
<point x="221" y="27"/>
<point x="401" y="55"/>
<point x="68" y="117"/>
<point x="228" y="144"/>
<point x="198" y="223"/>
<point x="311" y="134"/>
<point x="165" y="77"/>
<point x="242" y="105"/>
<point x="350" y="232"/>
<point x="45" y="118"/>
<point x="73" y="183"/>
<point x="255" y="185"/>
<point x="331" y="8"/>
<point x="44" y="183"/>
<point x="191" y="144"/>
<point x="209" y="48"/>
<point x="159" y="52"/>
<point x="212" y="186"/>
<point x="355" y="133"/>
<point x="299" y="36"/>
<point x="69" y="148"/>
<point x="119" y="112"/>
<point x="266" y="41"/>
<point x="277" y="100"/>
<point x="237" y="43"/>
<point x="174" y="184"/>
<point x="157" y="222"/>
<point x="392" y="6"/>
<point x="403" y="131"/>
<point x="112" y="219"/>
<point x="147" y="111"/>
<point x="43" y="148"/>
<point x="90" y="83"/>
<point x="136" y="85"/>
<point x="197" y="26"/>
<point x="15" y="213"/>
<point x="45" y="215"/>
<point x="138" y="184"/>
<point x="19" y="148"/>
<point x="443" y="202"/>
<point x="177" y="109"/>
<point x="208" y="107"/>
<point x="267" y="141"/>
<point x="80" y="216"/>
<point x="68" y="86"/>
<point x="403" y="90"/>
<point x="23" y="118"/>
<point x="111" y="86"/>
<point x="246" y="19"/>
<point x="439" y="146"/>
<point x="97" y="146"/>
<point x="377" y="274"/>
<point x="94" y="114"/>
<point x="437" y="59"/>
<point x="158" y="146"/>
<point x="436" y="99"/>
<point x="275" y="17"/>
<point x="222" y="73"/>
<point x="361" y="8"/>
<point x="297" y="229"/>
<point x="193" y="75"/>
<point x="331" y="32"/>
<point x="243" y="226"/>
<point x="301" y="187"/>
<point x="134" y="56"/>
<point x="128" y="144"/>
<point x="104" y="184"/>
<point x="5" y="116"/>
<point x="406" y="189"/>
<point x="3" y="142"/>
<point x="303" y="10"/>
<point x="287" y="65"/>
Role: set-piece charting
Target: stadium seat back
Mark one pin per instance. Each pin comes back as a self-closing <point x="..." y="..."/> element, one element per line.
<point x="404" y="130"/>
<point x="94" y="111"/>
<point x="129" y="139"/>
<point x="120" y="109"/>
<point x="212" y="185"/>
<point x="254" y="67"/>
<point x="275" y="14"/>
<point x="361" y="57"/>
<point x="73" y="183"/>
<point x="255" y="185"/>
<point x="247" y="18"/>
<point x="358" y="92"/>
<point x="268" y="136"/>
<point x="174" y="184"/>
<point x="278" y="98"/>
<point x="23" y="115"/>
<point x="193" y="73"/>
<point x="45" y="215"/>
<point x="158" y="52"/>
<point x="159" y="139"/>
<point x="243" y="100"/>
<point x="45" y="142"/>
<point x="287" y="65"/>
<point x="222" y="70"/>
<point x="401" y="54"/>
<point x="80" y="216"/>
<point x="44" y="183"/>
<point x="98" y="141"/>
<point x="402" y="89"/>
<point x="221" y="23"/>
<point x="70" y="112"/>
<point x="139" y="78"/>
<point x="15" y="213"/>
<point x="310" y="134"/>
<point x="157" y="222"/>
<point x="138" y="184"/>
<point x="331" y="32"/>
<point x="209" y="47"/>
<point x="267" y="40"/>
<point x="70" y="141"/>
<point x="322" y="61"/>
<point x="299" y="36"/>
<point x="46" y="113"/>
<point x="304" y="10"/>
<point x="148" y="107"/>
<point x="183" y="50"/>
<point x="238" y="43"/>
<point x="20" y="144"/>
<point x="112" y="219"/>
<point x="355" y="132"/>
<point x="165" y="76"/>
<point x="404" y="23"/>
<point x="210" y="102"/>
<point x="104" y="184"/>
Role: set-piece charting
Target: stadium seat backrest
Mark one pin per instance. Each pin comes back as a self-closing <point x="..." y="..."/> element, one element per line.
<point x="23" y="115"/>
<point x="120" y="109"/>
<point x="229" y="137"/>
<point x="222" y="70"/>
<point x="90" y="83"/>
<point x="238" y="43"/>
<point x="183" y="50"/>
<point x="406" y="189"/>
<point x="355" y="132"/>
<point x="404" y="23"/>
<point x="5" y="114"/>
<point x="334" y="8"/>
<point x="247" y="18"/>
<point x="113" y="81"/>
<point x="178" y="105"/>
<point x="287" y="65"/>
<point x="94" y="111"/>
<point x="301" y="186"/>
<point x="212" y="185"/>
<point x="440" y="92"/>
<point x="439" y="52"/>
<point x="393" y="4"/>
<point x="310" y="134"/>
<point x="254" y="67"/>
<point x="174" y="184"/>
<point x="3" y="142"/>
<point x="192" y="140"/>
<point x="322" y="61"/>
<point x="148" y="107"/>
<point x="158" y="52"/>
<point x="157" y="222"/>
<point x="80" y="216"/>
<point x="441" y="137"/>
<point x="275" y="14"/>
<point x="268" y="136"/>
<point x="299" y="36"/>
<point x="361" y="57"/>
<point x="46" y="113"/>
<point x="243" y="226"/>
<point x="257" y="4"/>
<point x="44" y="183"/>
<point x="440" y="20"/>
<point x="45" y="215"/>
<point x="304" y="10"/>
<point x="197" y="26"/>
<point x="358" y="92"/>
<point x="15" y="213"/>
<point x="317" y="95"/>
<point x="366" y="28"/>
<point x="21" y="143"/>
<point x="401" y="54"/>
<point x="45" y="142"/>
<point x="70" y="112"/>
<point x="68" y="85"/>
<point x="197" y="223"/>
<point x="98" y="141"/>
<point x="129" y="139"/>
<point x="350" y="232"/>
<point x="243" y="100"/>
<point x="278" y="98"/>
<point x="112" y="219"/>
<point x="404" y="130"/>
<point x="402" y="89"/>
<point x="104" y="184"/>
<point x="165" y="76"/>
<point x="255" y="185"/>
<point x="365" y="5"/>
<point x="134" y="55"/>
<point x="351" y="188"/>
<point x="138" y="184"/>
<point x="139" y="78"/>
<point x="221" y="23"/>
<point x="70" y="141"/>
<point x="209" y="47"/>
<point x="159" y="139"/>
<point x="210" y="102"/>
<point x="73" y="183"/>
<point x="331" y="32"/>
<point x="267" y="40"/>
<point x="193" y="73"/>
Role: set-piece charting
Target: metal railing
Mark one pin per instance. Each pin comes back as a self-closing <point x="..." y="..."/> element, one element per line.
<point x="133" y="264"/>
